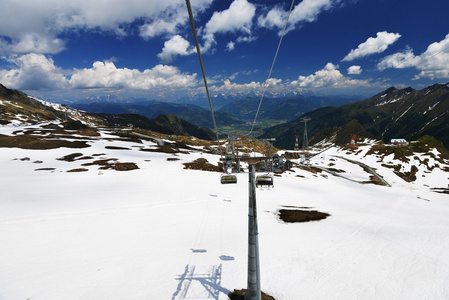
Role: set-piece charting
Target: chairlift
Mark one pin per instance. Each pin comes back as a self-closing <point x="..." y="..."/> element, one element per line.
<point x="228" y="178"/>
<point x="264" y="180"/>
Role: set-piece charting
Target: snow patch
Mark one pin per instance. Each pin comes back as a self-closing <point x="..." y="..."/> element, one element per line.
<point x="389" y="101"/>
<point x="431" y="107"/>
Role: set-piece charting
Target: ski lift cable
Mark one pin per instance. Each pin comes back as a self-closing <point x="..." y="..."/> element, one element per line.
<point x="271" y="69"/>
<point x="192" y="23"/>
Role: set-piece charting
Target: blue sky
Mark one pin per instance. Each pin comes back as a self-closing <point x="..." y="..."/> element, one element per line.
<point x="145" y="49"/>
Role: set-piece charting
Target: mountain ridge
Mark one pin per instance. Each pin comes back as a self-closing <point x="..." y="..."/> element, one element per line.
<point x="393" y="113"/>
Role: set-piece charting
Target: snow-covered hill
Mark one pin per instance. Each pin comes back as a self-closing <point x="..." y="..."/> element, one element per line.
<point x="73" y="226"/>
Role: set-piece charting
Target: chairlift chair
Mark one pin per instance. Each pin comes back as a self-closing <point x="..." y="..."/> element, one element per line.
<point x="264" y="180"/>
<point x="228" y="178"/>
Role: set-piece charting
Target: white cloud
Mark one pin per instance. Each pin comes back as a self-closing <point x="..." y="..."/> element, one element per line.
<point x="158" y="27"/>
<point x="33" y="72"/>
<point x="354" y="70"/>
<point x="433" y="63"/>
<point x="373" y="45"/>
<point x="399" y="60"/>
<point x="237" y="18"/>
<point x="169" y="21"/>
<point x="107" y="75"/>
<point x="274" y="84"/>
<point x="177" y="45"/>
<point x="329" y="76"/>
<point x="229" y="86"/>
<point x="35" y="26"/>
<point x="305" y="11"/>
<point x="34" y="43"/>
<point x="230" y="46"/>
<point x="275" y="18"/>
<point x="308" y="10"/>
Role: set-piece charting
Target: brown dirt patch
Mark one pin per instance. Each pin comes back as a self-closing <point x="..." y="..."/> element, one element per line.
<point x="116" y="148"/>
<point x="440" y="190"/>
<point x="312" y="169"/>
<point x="336" y="170"/>
<point x="106" y="164"/>
<point x="85" y="158"/>
<point x="45" y="169"/>
<point x="70" y="157"/>
<point x="172" y="159"/>
<point x="167" y="148"/>
<point x="88" y="132"/>
<point x="373" y="180"/>
<point x="203" y="165"/>
<point x="127" y="166"/>
<point x="27" y="141"/>
<point x="101" y="162"/>
<point x="297" y="216"/>
<point x="77" y="170"/>
<point x="241" y="295"/>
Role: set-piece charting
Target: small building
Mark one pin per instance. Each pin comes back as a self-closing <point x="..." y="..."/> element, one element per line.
<point x="399" y="142"/>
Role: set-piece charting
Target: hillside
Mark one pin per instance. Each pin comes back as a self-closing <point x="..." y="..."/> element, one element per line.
<point x="394" y="113"/>
<point x="17" y="107"/>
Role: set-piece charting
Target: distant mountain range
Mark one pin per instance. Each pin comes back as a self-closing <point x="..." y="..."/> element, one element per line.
<point x="189" y="112"/>
<point x="286" y="108"/>
<point x="394" y="113"/>
<point x="235" y="113"/>
<point x="196" y="98"/>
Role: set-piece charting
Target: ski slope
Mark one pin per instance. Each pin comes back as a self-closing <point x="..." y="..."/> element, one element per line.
<point x="163" y="232"/>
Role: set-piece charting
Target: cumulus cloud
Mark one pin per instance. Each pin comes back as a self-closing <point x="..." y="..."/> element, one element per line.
<point x="167" y="22"/>
<point x="373" y="45"/>
<point x="354" y="70"/>
<point x="107" y="75"/>
<point x="433" y="63"/>
<point x="158" y="27"/>
<point x="229" y="86"/>
<point x="273" y="84"/>
<point x="177" y="45"/>
<point x="35" y="26"/>
<point x="230" y="46"/>
<point x="329" y="76"/>
<point x="399" y="60"/>
<point x="237" y="18"/>
<point x="33" y="43"/>
<point x="33" y="72"/>
<point x="305" y="11"/>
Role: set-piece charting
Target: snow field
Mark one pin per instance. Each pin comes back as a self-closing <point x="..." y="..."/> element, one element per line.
<point x="162" y="232"/>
